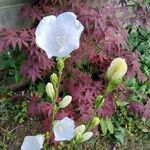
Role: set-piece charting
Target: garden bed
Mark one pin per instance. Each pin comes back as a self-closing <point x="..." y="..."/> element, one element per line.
<point x="77" y="79"/>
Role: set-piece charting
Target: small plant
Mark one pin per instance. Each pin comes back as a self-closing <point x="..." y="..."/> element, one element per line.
<point x="17" y="112"/>
<point x="84" y="91"/>
<point x="139" y="40"/>
<point x="11" y="60"/>
<point x="66" y="135"/>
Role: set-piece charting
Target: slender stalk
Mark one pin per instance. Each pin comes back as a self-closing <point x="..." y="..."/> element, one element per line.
<point x="94" y="112"/>
<point x="145" y="82"/>
<point x="58" y="85"/>
<point x="56" y="97"/>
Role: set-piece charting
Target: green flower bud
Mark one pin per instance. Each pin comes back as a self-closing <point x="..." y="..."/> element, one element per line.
<point x="59" y="148"/>
<point x="94" y="122"/>
<point x="61" y="144"/>
<point x="117" y="69"/>
<point x="65" y="101"/>
<point x="87" y="136"/>
<point x="54" y="79"/>
<point x="99" y="101"/>
<point x="79" y="137"/>
<point x="80" y="129"/>
<point x="47" y="136"/>
<point x="60" y="64"/>
<point x="50" y="90"/>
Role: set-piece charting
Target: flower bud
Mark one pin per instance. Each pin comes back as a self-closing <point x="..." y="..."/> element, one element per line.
<point x="87" y="136"/>
<point x="54" y="79"/>
<point x="61" y="144"/>
<point x="99" y="101"/>
<point x="95" y="121"/>
<point x="65" y="101"/>
<point x="60" y="64"/>
<point x="117" y="69"/>
<point x="79" y="137"/>
<point x="47" y="135"/>
<point x="80" y="129"/>
<point x="50" y="90"/>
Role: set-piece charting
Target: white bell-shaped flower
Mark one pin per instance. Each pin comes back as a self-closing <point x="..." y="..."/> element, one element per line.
<point x="59" y="36"/>
<point x="64" y="129"/>
<point x="33" y="142"/>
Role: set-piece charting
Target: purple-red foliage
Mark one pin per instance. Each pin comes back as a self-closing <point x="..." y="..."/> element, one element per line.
<point x="37" y="63"/>
<point x="36" y="107"/>
<point x="138" y="15"/>
<point x="108" y="108"/>
<point x="32" y="108"/>
<point x="103" y="39"/>
<point x="141" y="109"/>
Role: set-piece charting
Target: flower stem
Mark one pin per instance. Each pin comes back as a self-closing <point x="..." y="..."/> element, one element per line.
<point x="56" y="97"/>
<point x="106" y="92"/>
<point x="56" y="88"/>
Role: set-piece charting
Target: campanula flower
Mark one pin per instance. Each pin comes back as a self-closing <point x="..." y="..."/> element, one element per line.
<point x="33" y="142"/>
<point x="59" y="36"/>
<point x="64" y="129"/>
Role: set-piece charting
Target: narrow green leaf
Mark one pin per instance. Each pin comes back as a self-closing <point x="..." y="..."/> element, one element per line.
<point x="103" y="125"/>
<point x="110" y="125"/>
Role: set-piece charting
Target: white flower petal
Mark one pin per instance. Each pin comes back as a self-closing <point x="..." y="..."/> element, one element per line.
<point x="40" y="139"/>
<point x="45" y="35"/>
<point x="70" y="27"/>
<point x="64" y="129"/>
<point x="66" y="50"/>
<point x="67" y="19"/>
<point x="33" y="142"/>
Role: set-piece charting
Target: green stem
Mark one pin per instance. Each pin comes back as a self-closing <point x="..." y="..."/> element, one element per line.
<point x="145" y="82"/>
<point x="94" y="112"/>
<point x="58" y="85"/>
<point x="56" y="97"/>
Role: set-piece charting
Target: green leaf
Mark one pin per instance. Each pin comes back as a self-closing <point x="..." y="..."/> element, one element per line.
<point x="17" y="75"/>
<point x="99" y="101"/>
<point x="6" y="64"/>
<point x="103" y="125"/>
<point x="119" y="135"/>
<point x="110" y="125"/>
<point x="121" y="103"/>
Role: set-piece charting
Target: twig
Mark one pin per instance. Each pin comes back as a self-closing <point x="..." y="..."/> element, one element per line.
<point x="17" y="85"/>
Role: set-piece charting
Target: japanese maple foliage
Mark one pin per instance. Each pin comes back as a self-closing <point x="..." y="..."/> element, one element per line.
<point x="84" y="78"/>
<point x="141" y="109"/>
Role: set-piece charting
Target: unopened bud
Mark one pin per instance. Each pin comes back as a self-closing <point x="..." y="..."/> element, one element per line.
<point x="87" y="136"/>
<point x="80" y="129"/>
<point x="54" y="79"/>
<point x="79" y="137"/>
<point x="50" y="90"/>
<point x="47" y="136"/>
<point x="99" y="101"/>
<point x="60" y="65"/>
<point x="65" y="101"/>
<point x="95" y="121"/>
<point x="61" y="144"/>
<point x="117" y="69"/>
